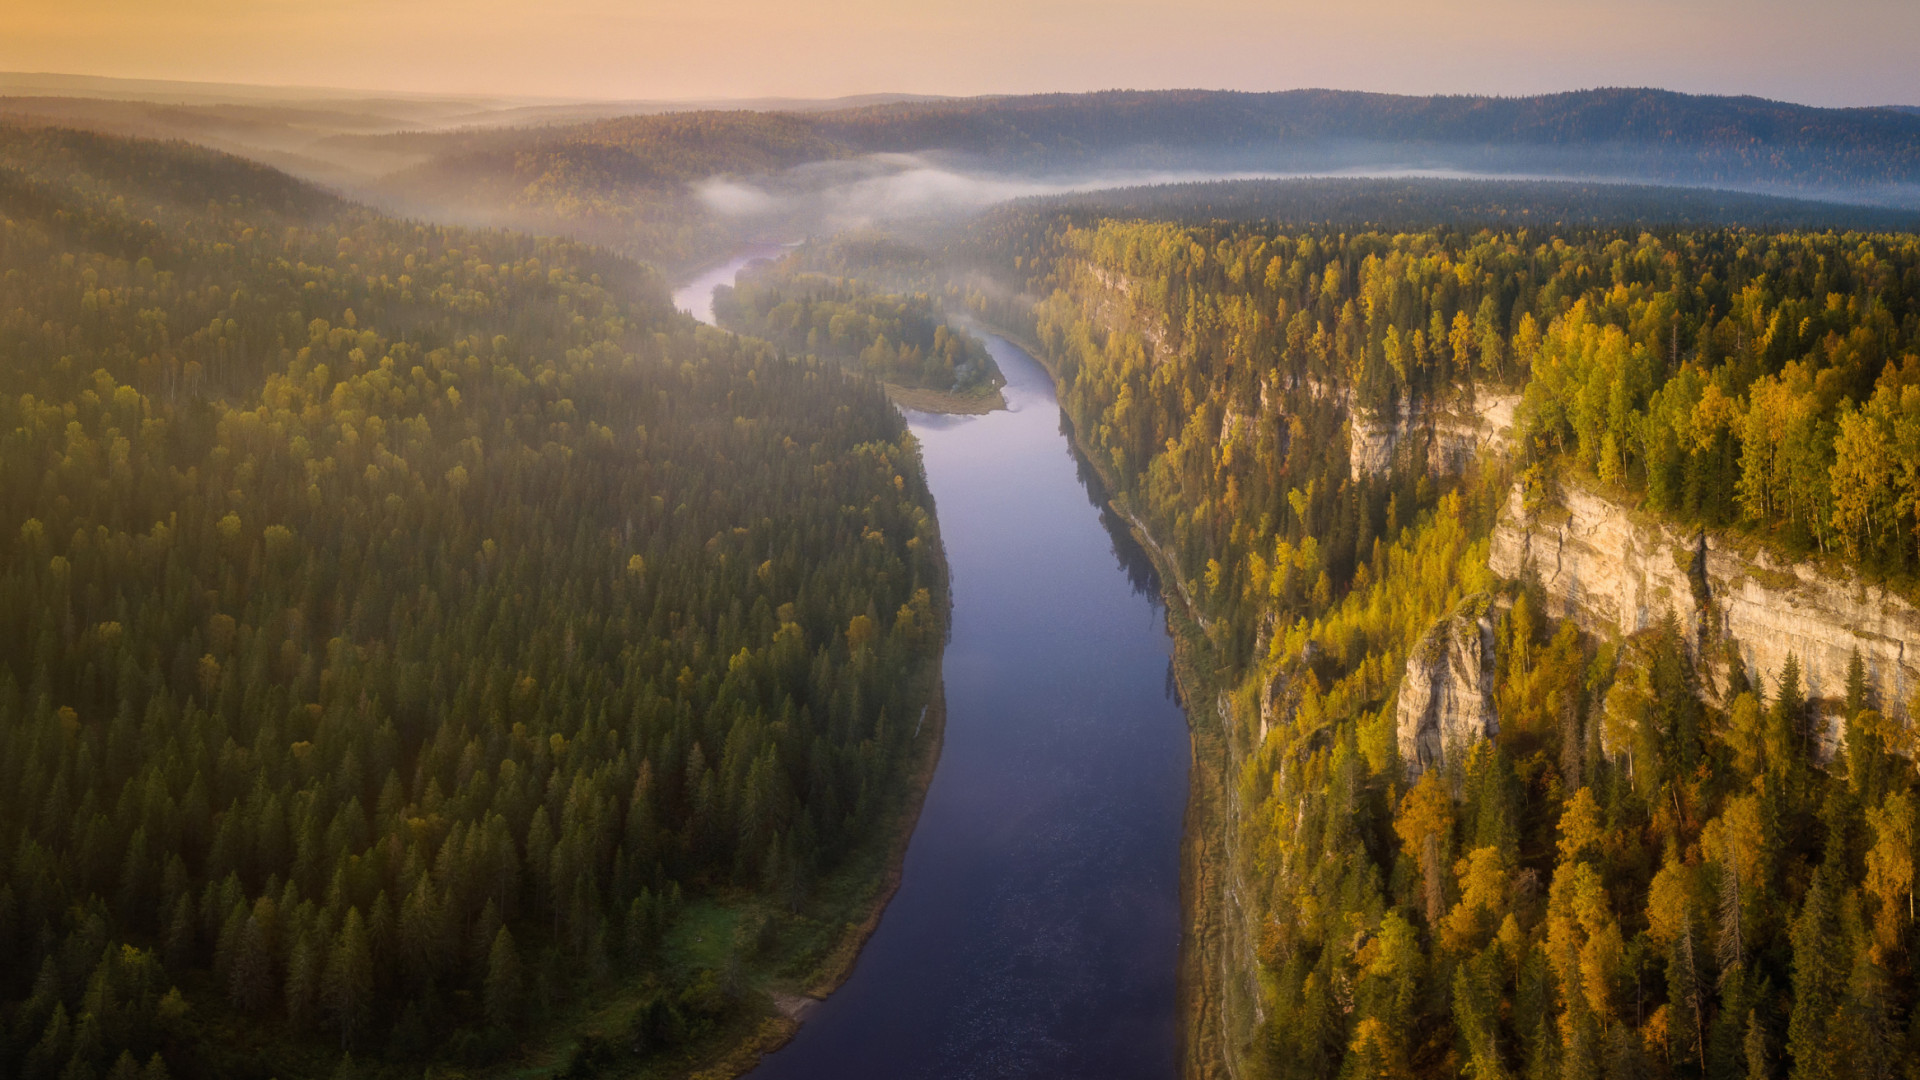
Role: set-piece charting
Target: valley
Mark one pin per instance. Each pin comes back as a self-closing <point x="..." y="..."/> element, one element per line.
<point x="1044" y="594"/>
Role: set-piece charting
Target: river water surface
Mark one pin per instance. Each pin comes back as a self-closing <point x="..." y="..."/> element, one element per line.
<point x="696" y="296"/>
<point x="1036" y="929"/>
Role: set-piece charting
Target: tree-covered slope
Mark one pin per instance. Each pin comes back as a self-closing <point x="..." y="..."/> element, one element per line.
<point x="405" y="631"/>
<point x="1724" y="137"/>
<point x="643" y="183"/>
<point x="1649" y="868"/>
<point x="900" y="339"/>
<point x="1418" y="204"/>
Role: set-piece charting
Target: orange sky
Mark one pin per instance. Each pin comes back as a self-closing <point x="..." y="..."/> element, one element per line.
<point x="1830" y="52"/>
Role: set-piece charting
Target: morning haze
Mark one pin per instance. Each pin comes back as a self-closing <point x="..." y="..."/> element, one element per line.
<point x="1047" y="540"/>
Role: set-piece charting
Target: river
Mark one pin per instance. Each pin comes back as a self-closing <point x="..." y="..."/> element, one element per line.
<point x="696" y="296"/>
<point x="1036" y="930"/>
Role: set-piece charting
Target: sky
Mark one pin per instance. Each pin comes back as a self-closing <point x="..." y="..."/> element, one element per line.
<point x="1819" y="52"/>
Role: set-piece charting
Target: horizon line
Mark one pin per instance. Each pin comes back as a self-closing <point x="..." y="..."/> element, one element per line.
<point x="702" y="103"/>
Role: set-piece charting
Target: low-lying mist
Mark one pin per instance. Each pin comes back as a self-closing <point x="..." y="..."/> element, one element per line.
<point x="877" y="187"/>
<point x="862" y="191"/>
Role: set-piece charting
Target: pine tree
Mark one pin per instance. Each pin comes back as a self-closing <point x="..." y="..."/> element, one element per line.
<point x="1476" y="1012"/>
<point x="250" y="982"/>
<point x="1820" y="970"/>
<point x="1868" y="767"/>
<point x="303" y="981"/>
<point x="1866" y="1031"/>
<point x="1856" y="684"/>
<point x="346" y="986"/>
<point x="51" y="1051"/>
<point x="1790" y="736"/>
<point x="503" y="986"/>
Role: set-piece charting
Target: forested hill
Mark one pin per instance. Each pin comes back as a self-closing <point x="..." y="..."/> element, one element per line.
<point x="649" y="185"/>
<point x="1653" y="133"/>
<point x="414" y="640"/>
<point x="1416" y="204"/>
<point x="1464" y="824"/>
<point x="900" y="339"/>
<point x="1720" y="136"/>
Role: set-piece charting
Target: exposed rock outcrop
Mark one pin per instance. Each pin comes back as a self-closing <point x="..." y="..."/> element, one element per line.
<point x="1614" y="571"/>
<point x="1600" y="565"/>
<point x="1446" y="698"/>
<point x="1118" y="307"/>
<point x="1455" y="433"/>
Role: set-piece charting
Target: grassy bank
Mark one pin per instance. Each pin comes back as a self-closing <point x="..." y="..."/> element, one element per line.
<point x="965" y="403"/>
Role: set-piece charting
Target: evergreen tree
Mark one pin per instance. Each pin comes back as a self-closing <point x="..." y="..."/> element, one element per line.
<point x="503" y="986"/>
<point x="347" y="984"/>
<point x="1820" y="971"/>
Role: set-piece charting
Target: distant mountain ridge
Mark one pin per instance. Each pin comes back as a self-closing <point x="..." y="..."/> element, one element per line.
<point x="1427" y="203"/>
<point x="1724" y="137"/>
<point x="681" y="188"/>
<point x="1865" y="154"/>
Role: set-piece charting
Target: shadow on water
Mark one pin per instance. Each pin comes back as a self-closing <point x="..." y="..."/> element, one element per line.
<point x="1126" y="550"/>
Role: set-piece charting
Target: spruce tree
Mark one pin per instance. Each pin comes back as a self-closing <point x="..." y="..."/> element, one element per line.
<point x="346" y="986"/>
<point x="504" y="980"/>
<point x="1820" y="969"/>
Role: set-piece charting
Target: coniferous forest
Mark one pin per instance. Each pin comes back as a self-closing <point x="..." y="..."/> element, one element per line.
<point x="412" y="635"/>
<point x="897" y="339"/>
<point x="1663" y="864"/>
<point x="424" y="651"/>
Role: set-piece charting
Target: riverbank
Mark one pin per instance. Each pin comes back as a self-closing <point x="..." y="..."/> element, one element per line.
<point x="954" y="403"/>
<point x="857" y="894"/>
<point x="774" y="964"/>
<point x="786" y="969"/>
<point x="783" y="963"/>
<point x="1205" y="847"/>
<point x="792" y="999"/>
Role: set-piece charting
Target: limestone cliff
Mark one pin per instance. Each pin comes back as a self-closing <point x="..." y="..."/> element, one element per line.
<point x="1455" y="433"/>
<point x="1615" y="571"/>
<point x="1117" y="304"/>
<point x="1446" y="698"/>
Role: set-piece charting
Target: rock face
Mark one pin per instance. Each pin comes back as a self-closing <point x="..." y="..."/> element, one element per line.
<point x="1613" y="571"/>
<point x="1598" y="565"/>
<point x="1456" y="433"/>
<point x="1118" y="307"/>
<point x="1446" y="698"/>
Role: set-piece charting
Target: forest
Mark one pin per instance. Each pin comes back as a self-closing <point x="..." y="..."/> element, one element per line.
<point x="1650" y="871"/>
<point x="422" y="648"/>
<point x="1669" y="135"/>
<point x="1415" y="205"/>
<point x="642" y="184"/>
<point x="900" y="339"/>
<point x="415" y="639"/>
<point x="625" y="182"/>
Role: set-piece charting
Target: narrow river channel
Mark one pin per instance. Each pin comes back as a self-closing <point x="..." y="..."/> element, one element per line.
<point x="1036" y="929"/>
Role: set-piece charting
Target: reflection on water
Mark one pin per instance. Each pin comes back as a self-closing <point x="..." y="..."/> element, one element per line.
<point x="1132" y="557"/>
<point x="1036" y="930"/>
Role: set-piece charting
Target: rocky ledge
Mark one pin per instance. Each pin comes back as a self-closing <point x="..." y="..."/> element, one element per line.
<point x="1614" y="571"/>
